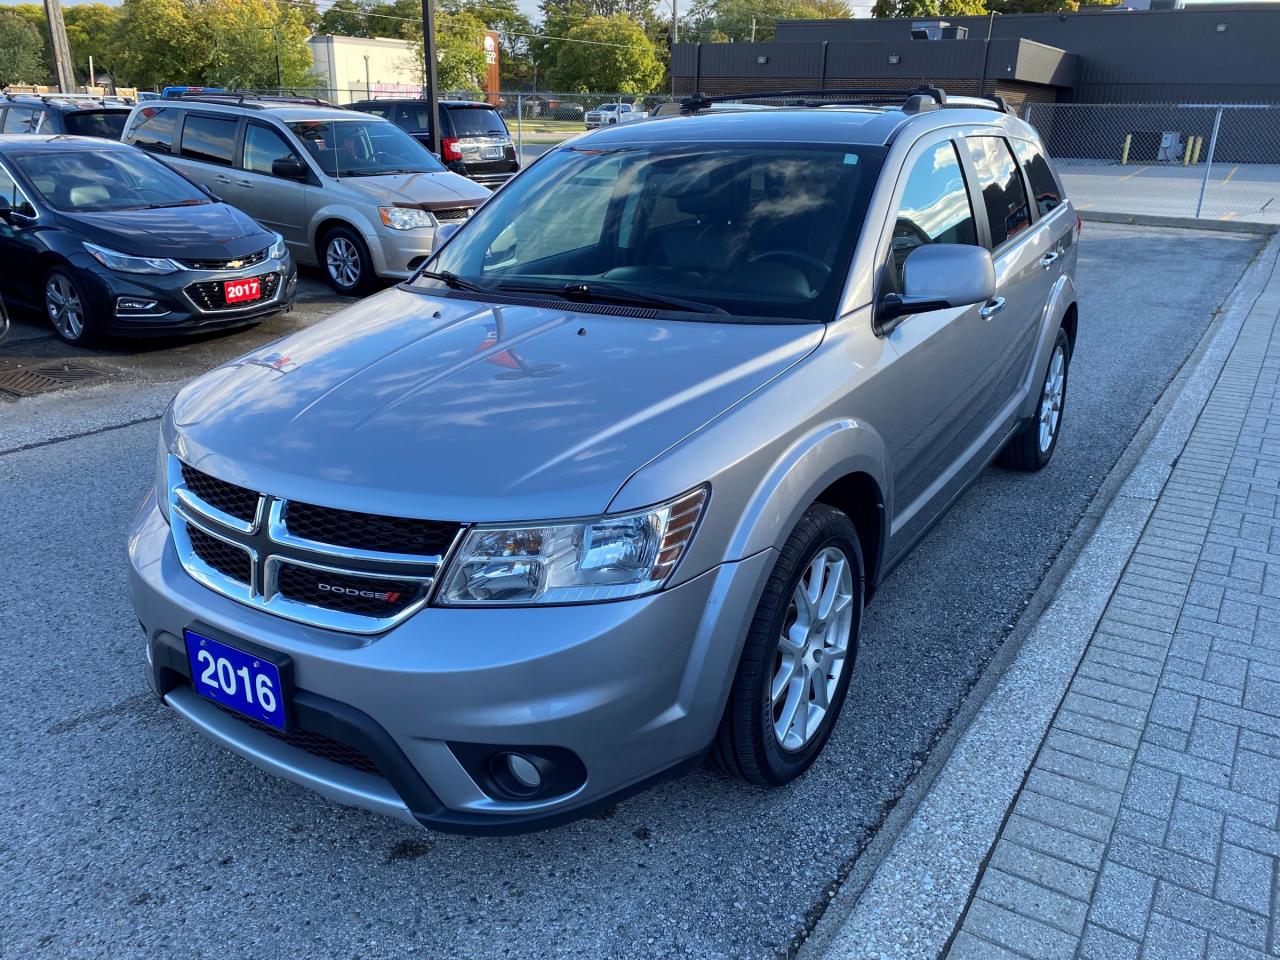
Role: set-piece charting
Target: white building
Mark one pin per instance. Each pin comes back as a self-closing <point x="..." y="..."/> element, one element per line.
<point x="357" y="68"/>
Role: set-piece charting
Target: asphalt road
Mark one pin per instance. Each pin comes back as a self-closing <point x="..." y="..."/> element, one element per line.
<point x="127" y="834"/>
<point x="1247" y="192"/>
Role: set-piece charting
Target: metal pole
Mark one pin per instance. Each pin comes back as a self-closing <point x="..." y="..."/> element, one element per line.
<point x="368" y="89"/>
<point x="429" y="73"/>
<point x="520" y="126"/>
<point x="1208" y="163"/>
<point x="671" y="50"/>
<point x="93" y="79"/>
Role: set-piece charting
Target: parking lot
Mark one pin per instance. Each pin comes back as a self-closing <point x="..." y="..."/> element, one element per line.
<point x="128" y="833"/>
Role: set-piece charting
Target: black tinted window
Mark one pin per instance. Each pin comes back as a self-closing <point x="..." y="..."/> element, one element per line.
<point x="476" y="122"/>
<point x="414" y="117"/>
<point x="153" y="130"/>
<point x="20" y="120"/>
<point x="263" y="147"/>
<point x="1044" y="186"/>
<point x="211" y="139"/>
<point x="935" y="205"/>
<point x="97" y="123"/>
<point x="1001" y="187"/>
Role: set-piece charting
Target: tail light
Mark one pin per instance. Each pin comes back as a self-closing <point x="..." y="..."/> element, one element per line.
<point x="450" y="150"/>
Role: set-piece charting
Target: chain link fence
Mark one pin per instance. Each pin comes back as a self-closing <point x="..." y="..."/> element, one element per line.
<point x="1208" y="161"/>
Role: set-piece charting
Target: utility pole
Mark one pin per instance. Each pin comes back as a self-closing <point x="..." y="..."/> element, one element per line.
<point x="62" y="63"/>
<point x="674" y="37"/>
<point x="753" y="29"/>
<point x="368" y="90"/>
<point x="429" y="73"/>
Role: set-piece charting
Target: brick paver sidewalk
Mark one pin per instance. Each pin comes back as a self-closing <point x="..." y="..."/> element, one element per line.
<point x="1149" y="824"/>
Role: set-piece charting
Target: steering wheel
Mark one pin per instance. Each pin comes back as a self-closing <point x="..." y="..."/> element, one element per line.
<point x="815" y="271"/>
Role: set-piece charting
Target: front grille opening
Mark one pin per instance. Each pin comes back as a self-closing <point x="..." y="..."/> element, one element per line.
<point x="316" y="744"/>
<point x="346" y="593"/>
<point x="228" y="560"/>
<point x="452" y="214"/>
<point x="227" y="497"/>
<point x="248" y="260"/>
<point x="368" y="531"/>
<point x="211" y="294"/>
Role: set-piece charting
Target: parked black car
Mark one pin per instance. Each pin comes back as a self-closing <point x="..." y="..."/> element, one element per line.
<point x="473" y="139"/>
<point x="106" y="239"/>
<point x="77" y="114"/>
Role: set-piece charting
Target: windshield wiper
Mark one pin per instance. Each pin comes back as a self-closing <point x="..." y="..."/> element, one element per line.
<point x="176" y="203"/>
<point x="605" y="292"/>
<point x="453" y="281"/>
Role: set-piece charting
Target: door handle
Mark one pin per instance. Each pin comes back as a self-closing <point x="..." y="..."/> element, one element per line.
<point x="991" y="308"/>
<point x="221" y="179"/>
<point x="1050" y="258"/>
<point x="245" y="183"/>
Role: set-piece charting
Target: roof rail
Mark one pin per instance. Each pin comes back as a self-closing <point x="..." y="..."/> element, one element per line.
<point x="923" y="97"/>
<point x="257" y="101"/>
<point x="983" y="101"/>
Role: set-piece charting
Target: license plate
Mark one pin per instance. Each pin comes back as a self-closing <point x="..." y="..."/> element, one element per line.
<point x="242" y="291"/>
<point x="491" y="153"/>
<point x="238" y="680"/>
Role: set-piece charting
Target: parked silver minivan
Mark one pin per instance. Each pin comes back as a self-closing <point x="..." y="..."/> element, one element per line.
<point x="349" y="192"/>
<point x="602" y="491"/>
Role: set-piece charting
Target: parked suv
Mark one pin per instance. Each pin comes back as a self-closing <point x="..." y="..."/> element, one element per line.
<point x="604" y="489"/>
<point x="353" y="194"/>
<point x="75" y="114"/>
<point x="473" y="139"/>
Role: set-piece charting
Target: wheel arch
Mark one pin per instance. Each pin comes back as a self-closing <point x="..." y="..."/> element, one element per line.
<point x="858" y="496"/>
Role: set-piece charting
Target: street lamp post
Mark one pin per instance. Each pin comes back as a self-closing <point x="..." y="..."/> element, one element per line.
<point x="429" y="73"/>
<point x="368" y="90"/>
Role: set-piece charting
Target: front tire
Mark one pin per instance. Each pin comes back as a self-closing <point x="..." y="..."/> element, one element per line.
<point x="1031" y="448"/>
<point x="69" y="311"/>
<point x="798" y="656"/>
<point x="346" y="261"/>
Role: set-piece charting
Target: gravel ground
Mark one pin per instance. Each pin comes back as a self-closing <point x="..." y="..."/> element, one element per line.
<point x="128" y="834"/>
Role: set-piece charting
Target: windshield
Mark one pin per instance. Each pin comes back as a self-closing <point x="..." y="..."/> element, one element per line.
<point x="108" y="124"/>
<point x="364" y="148"/>
<point x="91" y="181"/>
<point x="751" y="229"/>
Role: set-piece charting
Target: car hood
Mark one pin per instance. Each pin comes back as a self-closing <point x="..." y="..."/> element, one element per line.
<point x="208" y="231"/>
<point x="430" y="188"/>
<point x="413" y="404"/>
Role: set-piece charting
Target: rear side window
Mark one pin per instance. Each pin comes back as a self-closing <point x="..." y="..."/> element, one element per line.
<point x="1001" y="187"/>
<point x="211" y="139"/>
<point x="1044" y="185"/>
<point x="108" y="124"/>
<point x="153" y="130"/>
<point x="413" y="117"/>
<point x="21" y="120"/>
<point x="934" y="207"/>
<point x="476" y="122"/>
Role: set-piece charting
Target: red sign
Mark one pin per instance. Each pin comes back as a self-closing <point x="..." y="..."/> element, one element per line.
<point x="241" y="291"/>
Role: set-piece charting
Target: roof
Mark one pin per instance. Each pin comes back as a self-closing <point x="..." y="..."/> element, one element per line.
<point x="288" y="112"/>
<point x="58" y="141"/>
<point x="870" y="126"/>
<point x="54" y="102"/>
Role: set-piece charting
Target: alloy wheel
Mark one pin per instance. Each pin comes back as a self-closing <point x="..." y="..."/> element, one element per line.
<point x="62" y="302"/>
<point x="343" y="261"/>
<point x="812" y="649"/>
<point x="1055" y="382"/>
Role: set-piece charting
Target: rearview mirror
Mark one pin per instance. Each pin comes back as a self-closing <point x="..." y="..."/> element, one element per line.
<point x="937" y="276"/>
<point x="289" y="168"/>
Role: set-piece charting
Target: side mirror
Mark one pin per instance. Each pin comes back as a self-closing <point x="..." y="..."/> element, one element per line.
<point x="444" y="232"/>
<point x="937" y="276"/>
<point x="289" y="168"/>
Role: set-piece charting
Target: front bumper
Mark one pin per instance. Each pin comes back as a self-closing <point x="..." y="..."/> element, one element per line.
<point x="633" y="690"/>
<point x="397" y="254"/>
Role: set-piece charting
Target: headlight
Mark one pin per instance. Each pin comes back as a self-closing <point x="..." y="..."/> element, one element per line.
<point x="278" y="249"/>
<point x="405" y="218"/>
<point x="607" y="558"/>
<point x="114" y="260"/>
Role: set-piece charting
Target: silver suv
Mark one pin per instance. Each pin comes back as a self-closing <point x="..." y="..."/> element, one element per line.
<point x="602" y="491"/>
<point x="350" y="192"/>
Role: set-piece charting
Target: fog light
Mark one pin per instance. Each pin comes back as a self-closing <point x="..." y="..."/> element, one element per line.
<point x="523" y="772"/>
<point x="134" y="305"/>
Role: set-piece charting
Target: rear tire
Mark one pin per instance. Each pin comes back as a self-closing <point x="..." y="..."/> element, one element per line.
<point x="1031" y="448"/>
<point x="346" y="262"/>
<point x="796" y="662"/>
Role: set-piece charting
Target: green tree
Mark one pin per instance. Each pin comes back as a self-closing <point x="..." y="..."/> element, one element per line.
<point x="345" y="18"/>
<point x="160" y="44"/>
<point x="740" y="20"/>
<point x="460" y="61"/>
<point x="925" y="9"/>
<point x="33" y="14"/>
<point x="93" y="31"/>
<point x="515" y="30"/>
<point x="252" y="44"/>
<point x="606" y="53"/>
<point x="20" y="52"/>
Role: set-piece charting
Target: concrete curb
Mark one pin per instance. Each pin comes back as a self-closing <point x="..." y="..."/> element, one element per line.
<point x="912" y="902"/>
<point x="1186" y="223"/>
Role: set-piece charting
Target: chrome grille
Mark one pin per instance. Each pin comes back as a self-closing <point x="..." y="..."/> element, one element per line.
<point x="338" y="569"/>
<point x="210" y="295"/>
<point x="235" y="263"/>
<point x="452" y="214"/>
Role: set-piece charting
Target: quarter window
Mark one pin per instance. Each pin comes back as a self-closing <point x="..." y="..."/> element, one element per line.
<point x="20" y="120"/>
<point x="211" y="139"/>
<point x="154" y="130"/>
<point x="934" y="207"/>
<point x="1044" y="185"/>
<point x="1001" y="187"/>
<point x="12" y="193"/>
<point x="263" y="147"/>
